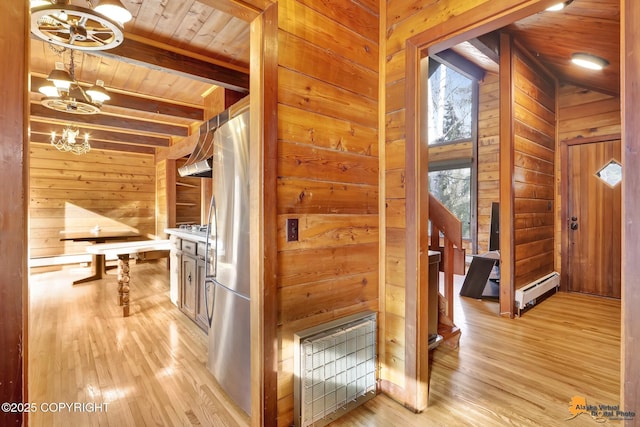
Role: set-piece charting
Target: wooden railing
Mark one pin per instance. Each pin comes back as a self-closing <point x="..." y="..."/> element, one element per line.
<point x="445" y="222"/>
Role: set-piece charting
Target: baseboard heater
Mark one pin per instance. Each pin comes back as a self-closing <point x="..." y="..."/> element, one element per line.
<point x="334" y="369"/>
<point x="527" y="295"/>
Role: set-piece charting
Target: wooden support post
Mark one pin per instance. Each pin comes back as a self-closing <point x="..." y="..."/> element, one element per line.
<point x="448" y="276"/>
<point x="123" y="283"/>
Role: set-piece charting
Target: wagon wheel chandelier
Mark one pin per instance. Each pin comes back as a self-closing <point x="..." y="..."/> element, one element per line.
<point x="97" y="27"/>
<point x="65" y="94"/>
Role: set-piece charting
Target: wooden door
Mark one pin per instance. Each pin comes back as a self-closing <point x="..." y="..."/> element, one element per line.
<point x="594" y="221"/>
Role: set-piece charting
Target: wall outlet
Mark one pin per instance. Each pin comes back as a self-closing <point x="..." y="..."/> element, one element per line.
<point x="292" y="229"/>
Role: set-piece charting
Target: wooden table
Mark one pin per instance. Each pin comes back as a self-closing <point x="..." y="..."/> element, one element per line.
<point x="97" y="260"/>
<point x="122" y="251"/>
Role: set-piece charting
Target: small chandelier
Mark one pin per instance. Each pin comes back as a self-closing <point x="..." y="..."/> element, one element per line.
<point x="69" y="141"/>
<point x="97" y="27"/>
<point x="66" y="95"/>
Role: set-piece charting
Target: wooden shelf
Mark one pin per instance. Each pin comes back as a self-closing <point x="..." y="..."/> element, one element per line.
<point x="188" y="198"/>
<point x="184" y="184"/>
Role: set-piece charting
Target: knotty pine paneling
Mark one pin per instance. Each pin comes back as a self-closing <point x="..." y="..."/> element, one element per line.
<point x="582" y="113"/>
<point x="328" y="170"/>
<point x="76" y="193"/>
<point x="534" y="155"/>
<point x="488" y="155"/>
<point x="162" y="212"/>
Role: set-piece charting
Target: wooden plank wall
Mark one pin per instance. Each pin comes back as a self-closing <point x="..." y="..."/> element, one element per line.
<point x="534" y="128"/>
<point x="582" y="113"/>
<point x="162" y="207"/>
<point x="402" y="20"/>
<point x="488" y="155"/>
<point x="76" y="193"/>
<point x="327" y="169"/>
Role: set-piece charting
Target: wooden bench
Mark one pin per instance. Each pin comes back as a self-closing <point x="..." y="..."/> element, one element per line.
<point x="123" y="250"/>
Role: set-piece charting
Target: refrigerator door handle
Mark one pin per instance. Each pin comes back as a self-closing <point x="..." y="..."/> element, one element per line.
<point x="211" y="262"/>
<point x="209" y="305"/>
<point x="211" y="259"/>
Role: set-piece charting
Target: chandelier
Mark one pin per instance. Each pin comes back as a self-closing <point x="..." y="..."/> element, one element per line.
<point x="69" y="141"/>
<point x="66" y="95"/>
<point x="96" y="27"/>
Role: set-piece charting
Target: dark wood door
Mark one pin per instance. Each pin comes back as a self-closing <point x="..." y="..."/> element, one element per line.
<point x="594" y="221"/>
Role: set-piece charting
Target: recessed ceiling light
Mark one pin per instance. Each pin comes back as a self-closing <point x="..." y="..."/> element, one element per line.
<point x="589" y="61"/>
<point x="558" y="6"/>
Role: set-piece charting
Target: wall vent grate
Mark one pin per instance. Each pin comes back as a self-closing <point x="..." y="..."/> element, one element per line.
<point x="335" y="366"/>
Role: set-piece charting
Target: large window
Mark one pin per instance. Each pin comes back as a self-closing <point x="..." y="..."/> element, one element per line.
<point x="451" y="99"/>
<point x="452" y="120"/>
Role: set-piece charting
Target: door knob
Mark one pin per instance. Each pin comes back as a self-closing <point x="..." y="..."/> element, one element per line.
<point x="574" y="226"/>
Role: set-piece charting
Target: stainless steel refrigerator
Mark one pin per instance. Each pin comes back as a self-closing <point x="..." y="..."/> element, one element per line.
<point x="227" y="262"/>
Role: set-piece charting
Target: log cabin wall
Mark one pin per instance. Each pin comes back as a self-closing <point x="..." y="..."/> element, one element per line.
<point x="534" y="145"/>
<point x="488" y="155"/>
<point x="327" y="169"/>
<point x="76" y="193"/>
<point x="582" y="114"/>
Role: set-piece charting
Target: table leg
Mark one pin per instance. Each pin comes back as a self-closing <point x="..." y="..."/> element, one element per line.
<point x="97" y="269"/>
<point x="123" y="283"/>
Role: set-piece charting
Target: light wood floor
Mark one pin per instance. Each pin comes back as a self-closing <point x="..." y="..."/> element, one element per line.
<point x="520" y="372"/>
<point x="151" y="367"/>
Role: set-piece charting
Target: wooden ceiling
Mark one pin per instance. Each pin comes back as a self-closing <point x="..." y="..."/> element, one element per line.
<point x="176" y="51"/>
<point x="587" y="26"/>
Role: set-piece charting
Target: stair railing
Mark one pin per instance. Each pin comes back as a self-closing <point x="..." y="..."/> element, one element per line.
<point x="445" y="222"/>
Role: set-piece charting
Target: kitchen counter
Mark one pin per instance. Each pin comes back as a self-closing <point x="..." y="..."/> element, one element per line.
<point x="194" y="236"/>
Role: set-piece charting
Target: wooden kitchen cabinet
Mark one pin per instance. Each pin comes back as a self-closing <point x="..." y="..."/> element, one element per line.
<point x="189" y="286"/>
<point x="190" y="274"/>
<point x="201" y="310"/>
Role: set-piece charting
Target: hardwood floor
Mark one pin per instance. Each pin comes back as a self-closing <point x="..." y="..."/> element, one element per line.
<point x="151" y="367"/>
<point x="520" y="372"/>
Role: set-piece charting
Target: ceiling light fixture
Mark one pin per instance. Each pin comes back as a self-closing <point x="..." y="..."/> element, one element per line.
<point x="66" y="95"/>
<point x="589" y="61"/>
<point x="76" y="27"/>
<point x="558" y="6"/>
<point x="69" y="141"/>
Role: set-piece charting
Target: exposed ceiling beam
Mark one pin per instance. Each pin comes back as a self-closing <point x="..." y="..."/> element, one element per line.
<point x="37" y="127"/>
<point x="141" y="104"/>
<point x="100" y="145"/>
<point x="489" y="45"/>
<point x="152" y="57"/>
<point x="238" y="8"/>
<point x="39" y="111"/>
<point x="460" y="64"/>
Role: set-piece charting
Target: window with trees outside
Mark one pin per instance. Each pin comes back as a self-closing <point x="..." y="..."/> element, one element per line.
<point x="451" y="121"/>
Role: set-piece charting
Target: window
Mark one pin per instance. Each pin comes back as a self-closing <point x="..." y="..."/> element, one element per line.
<point x="452" y="109"/>
<point x="452" y="187"/>
<point x="451" y="99"/>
